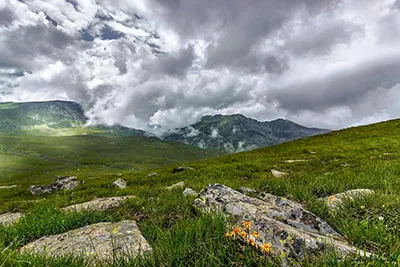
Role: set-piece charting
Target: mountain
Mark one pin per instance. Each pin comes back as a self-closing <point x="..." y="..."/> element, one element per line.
<point x="54" y="118"/>
<point x="235" y="133"/>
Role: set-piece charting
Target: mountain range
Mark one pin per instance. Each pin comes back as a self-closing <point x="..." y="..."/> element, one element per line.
<point x="229" y="133"/>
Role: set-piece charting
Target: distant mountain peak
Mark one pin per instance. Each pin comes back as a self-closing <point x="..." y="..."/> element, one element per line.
<point x="235" y="133"/>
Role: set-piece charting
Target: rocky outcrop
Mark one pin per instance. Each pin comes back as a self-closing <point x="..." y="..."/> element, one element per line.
<point x="189" y="192"/>
<point x="120" y="183"/>
<point x="279" y="174"/>
<point x="182" y="169"/>
<point x="100" y="204"/>
<point x="98" y="242"/>
<point x="179" y="185"/>
<point x="7" y="219"/>
<point x="335" y="200"/>
<point x="285" y="227"/>
<point x="61" y="183"/>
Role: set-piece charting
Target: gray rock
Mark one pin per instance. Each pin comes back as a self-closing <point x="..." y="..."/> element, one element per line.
<point x="61" y="183"/>
<point x="100" y="204"/>
<point x="96" y="243"/>
<point x="295" y="160"/>
<point x="285" y="225"/>
<point x="7" y="219"/>
<point x="182" y="169"/>
<point x="279" y="174"/>
<point x="179" y="185"/>
<point x="189" y="192"/>
<point x="246" y="190"/>
<point x="120" y="183"/>
<point x="8" y="186"/>
<point x="335" y="200"/>
<point x="152" y="174"/>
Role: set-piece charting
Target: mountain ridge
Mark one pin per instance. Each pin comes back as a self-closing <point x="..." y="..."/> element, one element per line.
<point x="236" y="132"/>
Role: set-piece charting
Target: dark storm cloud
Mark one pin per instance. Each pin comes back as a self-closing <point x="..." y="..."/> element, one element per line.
<point x="6" y="16"/>
<point x="21" y="47"/>
<point x="345" y="87"/>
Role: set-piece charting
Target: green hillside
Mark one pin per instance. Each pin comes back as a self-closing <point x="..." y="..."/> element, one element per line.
<point x="54" y="118"/>
<point x="361" y="157"/>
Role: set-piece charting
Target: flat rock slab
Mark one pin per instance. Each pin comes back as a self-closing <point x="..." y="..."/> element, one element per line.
<point x="283" y="224"/>
<point x="100" y="204"/>
<point x="336" y="200"/>
<point x="279" y="174"/>
<point x="7" y="219"/>
<point x="98" y="242"/>
<point x="295" y="160"/>
<point x="8" y="186"/>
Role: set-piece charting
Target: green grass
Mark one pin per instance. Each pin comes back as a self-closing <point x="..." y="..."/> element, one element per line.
<point x="362" y="157"/>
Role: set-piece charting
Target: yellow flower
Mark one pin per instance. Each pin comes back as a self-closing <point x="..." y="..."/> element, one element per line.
<point x="331" y="199"/>
<point x="266" y="248"/>
<point x="236" y="230"/>
<point x="243" y="234"/>
<point x="227" y="234"/>
<point x="255" y="234"/>
<point x="247" y="224"/>
<point x="251" y="242"/>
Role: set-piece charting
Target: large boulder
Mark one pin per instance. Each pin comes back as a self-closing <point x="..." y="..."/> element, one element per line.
<point x="61" y="183"/>
<point x="285" y="227"/>
<point x="98" y="242"/>
<point x="100" y="204"/>
<point x="9" y="218"/>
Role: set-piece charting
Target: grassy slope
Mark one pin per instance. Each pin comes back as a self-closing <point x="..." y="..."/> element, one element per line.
<point x="363" y="157"/>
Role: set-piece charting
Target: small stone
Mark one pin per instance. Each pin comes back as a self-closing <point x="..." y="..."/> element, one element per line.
<point x="295" y="160"/>
<point x="279" y="174"/>
<point x="8" y="186"/>
<point x="152" y="174"/>
<point x="61" y="183"/>
<point x="97" y="242"/>
<point x="189" y="192"/>
<point x="335" y="200"/>
<point x="100" y="204"/>
<point x="120" y="183"/>
<point x="7" y="219"/>
<point x="181" y="169"/>
<point x="179" y="185"/>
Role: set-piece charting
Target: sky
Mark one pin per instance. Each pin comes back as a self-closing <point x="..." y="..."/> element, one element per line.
<point x="162" y="64"/>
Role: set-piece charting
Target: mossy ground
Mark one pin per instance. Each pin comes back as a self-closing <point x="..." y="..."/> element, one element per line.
<point x="362" y="157"/>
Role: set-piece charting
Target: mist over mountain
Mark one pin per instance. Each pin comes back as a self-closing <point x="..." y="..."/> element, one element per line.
<point x="237" y="133"/>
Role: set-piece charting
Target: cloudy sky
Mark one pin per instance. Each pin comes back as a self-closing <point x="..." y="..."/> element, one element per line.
<point x="161" y="64"/>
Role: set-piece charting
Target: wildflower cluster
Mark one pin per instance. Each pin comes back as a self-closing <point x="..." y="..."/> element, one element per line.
<point x="248" y="236"/>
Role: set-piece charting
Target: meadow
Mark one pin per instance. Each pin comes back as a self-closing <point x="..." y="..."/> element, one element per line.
<point x="360" y="157"/>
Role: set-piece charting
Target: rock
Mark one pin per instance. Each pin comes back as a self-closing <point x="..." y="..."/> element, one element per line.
<point x="285" y="225"/>
<point x="335" y="200"/>
<point x="61" y="183"/>
<point x="246" y="190"/>
<point x="97" y="242"/>
<point x="279" y="174"/>
<point x="7" y="219"/>
<point x="152" y="174"/>
<point x="190" y="192"/>
<point x="120" y="183"/>
<point x="295" y="160"/>
<point x="179" y="185"/>
<point x="8" y="186"/>
<point x="100" y="204"/>
<point x="182" y="169"/>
